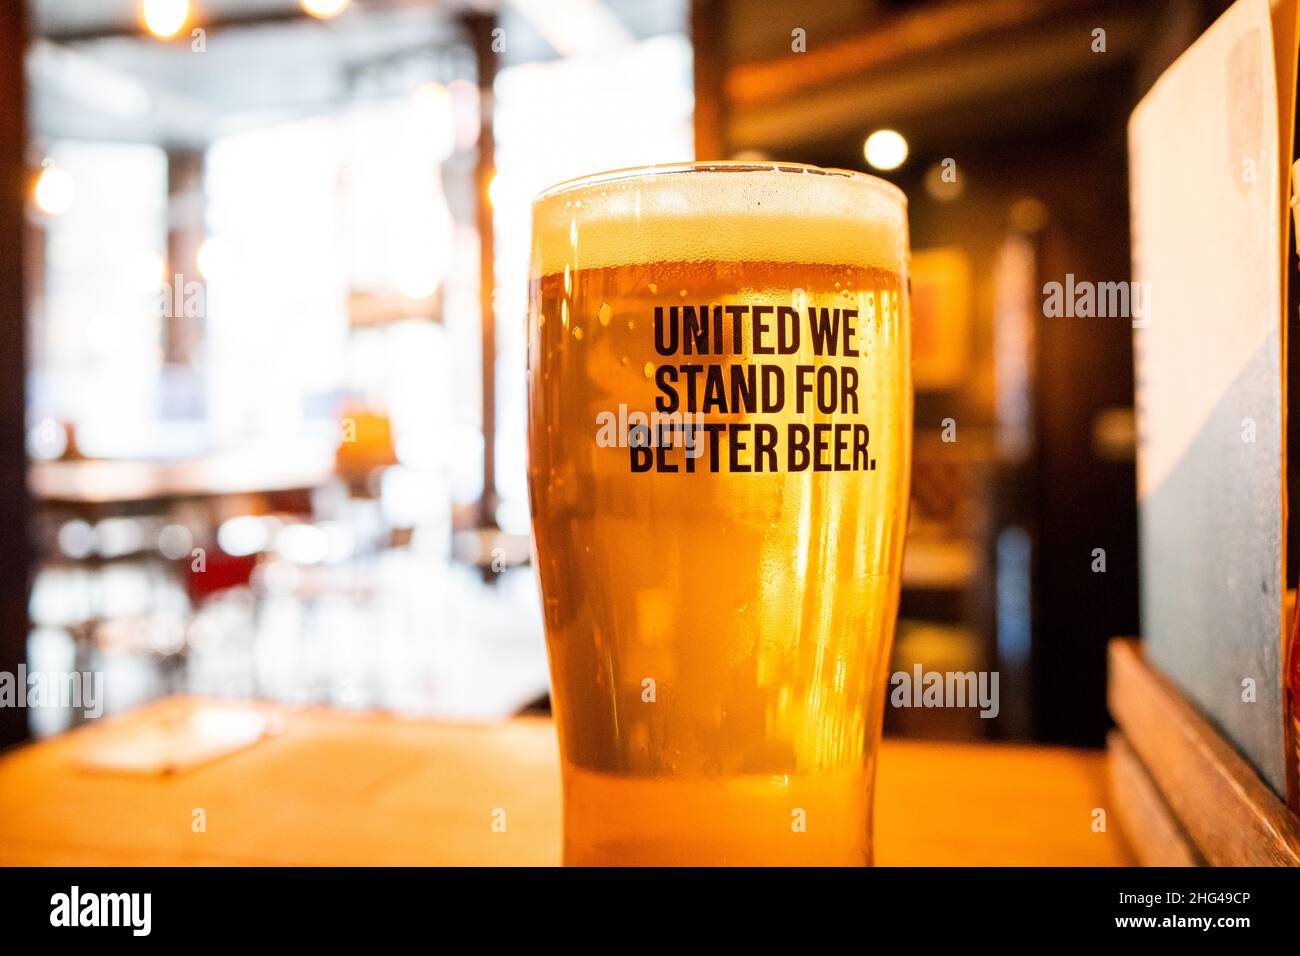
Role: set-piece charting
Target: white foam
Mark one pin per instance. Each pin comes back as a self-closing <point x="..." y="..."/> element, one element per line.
<point x="729" y="212"/>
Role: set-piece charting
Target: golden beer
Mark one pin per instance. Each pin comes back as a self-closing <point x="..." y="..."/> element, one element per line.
<point x="719" y="435"/>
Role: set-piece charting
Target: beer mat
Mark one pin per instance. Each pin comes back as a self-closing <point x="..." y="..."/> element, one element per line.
<point x="172" y="744"/>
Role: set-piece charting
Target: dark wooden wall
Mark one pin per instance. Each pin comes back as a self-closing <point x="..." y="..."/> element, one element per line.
<point x="15" y="507"/>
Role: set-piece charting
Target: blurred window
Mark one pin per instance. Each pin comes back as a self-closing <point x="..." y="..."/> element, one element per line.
<point x="277" y="293"/>
<point x="98" y="349"/>
<point x="311" y="215"/>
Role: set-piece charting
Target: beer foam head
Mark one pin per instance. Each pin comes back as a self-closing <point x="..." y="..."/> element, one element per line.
<point x="735" y="212"/>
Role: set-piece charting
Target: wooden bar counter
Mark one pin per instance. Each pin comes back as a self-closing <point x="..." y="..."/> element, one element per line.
<point x="333" y="788"/>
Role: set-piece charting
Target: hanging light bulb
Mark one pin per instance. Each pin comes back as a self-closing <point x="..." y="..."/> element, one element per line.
<point x="164" y="18"/>
<point x="325" y="9"/>
<point x="885" y="149"/>
<point x="55" y="190"/>
<point x="212" y="258"/>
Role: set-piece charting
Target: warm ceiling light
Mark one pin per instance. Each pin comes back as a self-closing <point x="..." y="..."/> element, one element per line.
<point x="885" y="149"/>
<point x="164" y="18"/>
<point x="55" y="190"/>
<point x="324" y="9"/>
<point x="212" y="257"/>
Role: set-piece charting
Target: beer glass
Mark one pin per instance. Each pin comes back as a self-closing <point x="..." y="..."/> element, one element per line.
<point x="719" y="430"/>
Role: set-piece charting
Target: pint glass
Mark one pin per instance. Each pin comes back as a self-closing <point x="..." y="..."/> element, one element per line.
<point x="719" y="430"/>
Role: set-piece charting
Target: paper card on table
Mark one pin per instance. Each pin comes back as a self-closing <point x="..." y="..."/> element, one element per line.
<point x="175" y="744"/>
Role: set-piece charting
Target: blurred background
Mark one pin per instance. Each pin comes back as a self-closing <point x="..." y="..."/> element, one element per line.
<point x="262" y="395"/>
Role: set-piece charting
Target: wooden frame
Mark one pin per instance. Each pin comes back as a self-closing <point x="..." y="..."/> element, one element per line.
<point x="1181" y="791"/>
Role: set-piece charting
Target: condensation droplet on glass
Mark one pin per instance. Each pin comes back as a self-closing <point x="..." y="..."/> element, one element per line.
<point x="682" y="293"/>
<point x="604" y="313"/>
<point x="649" y="369"/>
<point x="630" y="325"/>
<point x="623" y="360"/>
<point x="654" y="287"/>
<point x="577" y="332"/>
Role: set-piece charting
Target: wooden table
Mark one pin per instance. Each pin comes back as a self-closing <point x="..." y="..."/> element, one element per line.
<point x="104" y="481"/>
<point x="334" y="788"/>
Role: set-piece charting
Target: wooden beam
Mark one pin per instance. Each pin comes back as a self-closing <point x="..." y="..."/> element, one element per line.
<point x="292" y="13"/>
<point x="708" y="42"/>
<point x="925" y="82"/>
<point x="208" y="24"/>
<point x="183" y="334"/>
<point x="1152" y="830"/>
<point x="15" y="503"/>
<point x="932" y="28"/>
<point x="480" y="27"/>
<point x="1221" y="802"/>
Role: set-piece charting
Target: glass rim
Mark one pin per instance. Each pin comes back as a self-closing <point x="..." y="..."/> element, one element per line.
<point x="881" y="186"/>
